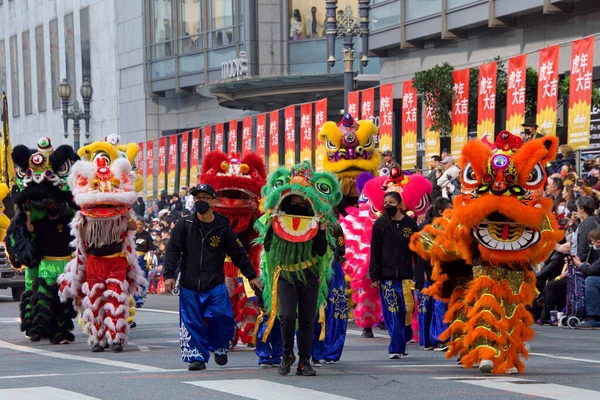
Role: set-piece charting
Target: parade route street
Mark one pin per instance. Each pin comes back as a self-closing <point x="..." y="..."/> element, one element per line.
<point x="565" y="364"/>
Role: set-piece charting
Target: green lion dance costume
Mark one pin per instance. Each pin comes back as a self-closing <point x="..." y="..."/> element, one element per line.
<point x="288" y="229"/>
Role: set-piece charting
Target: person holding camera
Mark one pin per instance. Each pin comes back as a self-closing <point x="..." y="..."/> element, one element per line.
<point x="199" y="244"/>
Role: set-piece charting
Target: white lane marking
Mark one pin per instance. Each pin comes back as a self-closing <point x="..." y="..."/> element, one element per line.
<point x="420" y="365"/>
<point x="93" y="360"/>
<point x="529" y="387"/>
<point x="156" y="310"/>
<point x="565" y="358"/>
<point x="141" y="347"/>
<point x="9" y="320"/>
<point x="45" y="392"/>
<point x="359" y="333"/>
<point x="259" y="389"/>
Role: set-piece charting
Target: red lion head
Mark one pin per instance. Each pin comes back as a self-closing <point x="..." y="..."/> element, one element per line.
<point x="238" y="182"/>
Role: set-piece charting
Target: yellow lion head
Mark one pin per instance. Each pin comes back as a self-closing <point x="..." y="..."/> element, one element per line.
<point x="4" y="220"/>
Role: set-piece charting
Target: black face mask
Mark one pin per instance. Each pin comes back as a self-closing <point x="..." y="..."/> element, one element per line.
<point x="593" y="180"/>
<point x="391" y="210"/>
<point x="202" y="206"/>
<point x="559" y="157"/>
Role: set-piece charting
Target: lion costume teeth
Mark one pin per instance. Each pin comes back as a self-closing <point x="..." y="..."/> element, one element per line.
<point x="483" y="249"/>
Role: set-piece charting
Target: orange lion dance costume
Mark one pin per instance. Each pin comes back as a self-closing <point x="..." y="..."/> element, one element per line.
<point x="482" y="251"/>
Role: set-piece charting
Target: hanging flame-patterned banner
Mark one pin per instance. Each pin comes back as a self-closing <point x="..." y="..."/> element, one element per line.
<point x="173" y="156"/>
<point x="432" y="138"/>
<point x="580" y="93"/>
<point x="183" y="163"/>
<point x="386" y="105"/>
<point x="515" y="94"/>
<point x="409" y="125"/>
<point x="548" y="90"/>
<point x="306" y="133"/>
<point x="261" y="130"/>
<point x="141" y="163"/>
<point x="274" y="141"/>
<point x="486" y="102"/>
<point x="353" y="104"/>
<point x="149" y="169"/>
<point x="246" y="135"/>
<point x="206" y="140"/>
<point x="460" y="111"/>
<point x="219" y="137"/>
<point x="162" y="164"/>
<point x="232" y="136"/>
<point x="368" y="104"/>
<point x="194" y="152"/>
<point x="290" y="136"/>
<point x="320" y="118"/>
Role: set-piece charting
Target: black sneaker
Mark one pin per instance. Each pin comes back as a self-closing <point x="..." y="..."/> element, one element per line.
<point x="286" y="364"/>
<point x="138" y="306"/>
<point x="305" y="369"/>
<point x="221" y="359"/>
<point x="117" y="347"/>
<point x="132" y="325"/>
<point x="98" y="348"/>
<point x="367" y="333"/>
<point x="196" y="366"/>
<point x="34" y="338"/>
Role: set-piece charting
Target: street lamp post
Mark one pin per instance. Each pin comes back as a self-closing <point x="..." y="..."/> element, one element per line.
<point x="348" y="27"/>
<point x="76" y="113"/>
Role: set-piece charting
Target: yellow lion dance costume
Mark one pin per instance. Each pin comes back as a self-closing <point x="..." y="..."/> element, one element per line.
<point x="482" y="251"/>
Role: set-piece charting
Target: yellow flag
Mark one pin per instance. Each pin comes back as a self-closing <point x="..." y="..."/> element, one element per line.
<point x="7" y="168"/>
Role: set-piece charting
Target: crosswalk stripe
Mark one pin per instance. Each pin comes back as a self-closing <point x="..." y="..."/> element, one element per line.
<point x="45" y="392"/>
<point x="259" y="389"/>
<point x="529" y="387"/>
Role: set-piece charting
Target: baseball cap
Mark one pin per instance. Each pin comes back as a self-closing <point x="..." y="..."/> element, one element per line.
<point x="447" y="159"/>
<point x="203" y="188"/>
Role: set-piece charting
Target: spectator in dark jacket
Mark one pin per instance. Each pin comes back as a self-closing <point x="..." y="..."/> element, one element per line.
<point x="592" y="283"/>
<point x="139" y="207"/>
<point x="199" y="244"/>
<point x="564" y="156"/>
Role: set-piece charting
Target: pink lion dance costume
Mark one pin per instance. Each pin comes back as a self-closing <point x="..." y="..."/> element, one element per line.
<point x="105" y="271"/>
<point x="358" y="227"/>
<point x="238" y="182"/>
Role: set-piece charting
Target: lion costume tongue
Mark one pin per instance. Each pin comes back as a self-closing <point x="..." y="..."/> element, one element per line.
<point x="294" y="228"/>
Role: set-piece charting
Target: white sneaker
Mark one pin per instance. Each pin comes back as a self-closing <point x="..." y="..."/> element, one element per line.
<point x="428" y="348"/>
<point x="316" y="363"/>
<point x="395" y="356"/>
<point x="486" y="366"/>
<point x="512" y="371"/>
<point x="443" y="347"/>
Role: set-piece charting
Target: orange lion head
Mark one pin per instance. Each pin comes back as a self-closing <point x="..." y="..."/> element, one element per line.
<point x="501" y="210"/>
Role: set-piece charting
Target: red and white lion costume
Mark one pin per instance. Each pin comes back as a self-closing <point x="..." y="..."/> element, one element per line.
<point x="103" y="185"/>
<point x="238" y="182"/>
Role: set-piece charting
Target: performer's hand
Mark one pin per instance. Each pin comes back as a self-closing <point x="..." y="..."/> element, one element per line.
<point x="28" y="223"/>
<point x="323" y="225"/>
<point x="375" y="284"/>
<point x="577" y="261"/>
<point x="169" y="285"/>
<point x="256" y="283"/>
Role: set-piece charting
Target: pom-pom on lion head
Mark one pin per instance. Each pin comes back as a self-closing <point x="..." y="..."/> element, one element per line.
<point x="238" y="182"/>
<point x="350" y="149"/>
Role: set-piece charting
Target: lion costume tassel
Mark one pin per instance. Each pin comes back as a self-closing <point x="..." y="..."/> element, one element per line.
<point x="483" y="249"/>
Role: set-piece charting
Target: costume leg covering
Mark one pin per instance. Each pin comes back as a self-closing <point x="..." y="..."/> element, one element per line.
<point x="94" y="301"/>
<point x="116" y="307"/>
<point x="438" y="326"/>
<point x="271" y="351"/>
<point x="31" y="275"/>
<point x="44" y="323"/>
<point x="141" y="299"/>
<point x="62" y="313"/>
<point x="219" y="317"/>
<point x="425" y="307"/>
<point x="397" y="304"/>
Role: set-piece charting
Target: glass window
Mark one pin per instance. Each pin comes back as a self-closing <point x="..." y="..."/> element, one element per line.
<point x="70" y="56"/>
<point x="458" y="3"/>
<point x="14" y="76"/>
<point x="308" y="17"/>
<point x="385" y="16"/>
<point x="221" y="23"/>
<point x="2" y="68"/>
<point x="191" y="63"/>
<point x="163" y="69"/>
<point x="84" y="28"/>
<point x="40" y="68"/>
<point x="416" y="9"/>
<point x="54" y="64"/>
<point x="162" y="28"/>
<point x="190" y="26"/>
<point x="27" y="71"/>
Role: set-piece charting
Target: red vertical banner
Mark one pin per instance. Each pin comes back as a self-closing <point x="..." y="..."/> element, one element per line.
<point x="194" y="153"/>
<point x="432" y="138"/>
<point x="548" y="90"/>
<point x="184" y="160"/>
<point x="515" y="94"/>
<point x="149" y="169"/>
<point x="409" y="125"/>
<point x="206" y="140"/>
<point x="353" y="104"/>
<point x="290" y="136"/>
<point x="261" y="130"/>
<point x="232" y="136"/>
<point x="162" y="164"/>
<point x="486" y="102"/>
<point x="460" y="111"/>
<point x="580" y="93"/>
<point x="247" y="135"/>
<point x="273" y="141"/>
<point x="306" y="132"/>
<point x="386" y="106"/>
<point x="368" y="104"/>
<point x="320" y="118"/>
<point x="219" y="139"/>
<point x="173" y="156"/>
<point x="141" y="163"/>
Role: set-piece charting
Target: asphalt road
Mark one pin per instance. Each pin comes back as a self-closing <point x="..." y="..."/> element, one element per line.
<point x="565" y="364"/>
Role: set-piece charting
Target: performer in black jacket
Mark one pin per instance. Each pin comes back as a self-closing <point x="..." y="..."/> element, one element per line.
<point x="202" y="242"/>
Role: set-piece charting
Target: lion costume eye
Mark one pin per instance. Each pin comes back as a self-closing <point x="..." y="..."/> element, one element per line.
<point x="64" y="169"/>
<point x="329" y="145"/>
<point x="468" y="175"/>
<point x="323" y="187"/>
<point x="536" y="176"/>
<point x="279" y="183"/>
<point x="369" y="143"/>
<point x="102" y="159"/>
<point x="20" y="172"/>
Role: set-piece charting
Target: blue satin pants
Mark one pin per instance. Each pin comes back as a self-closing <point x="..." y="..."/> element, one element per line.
<point x="393" y="307"/>
<point x="269" y="353"/>
<point x="140" y="300"/>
